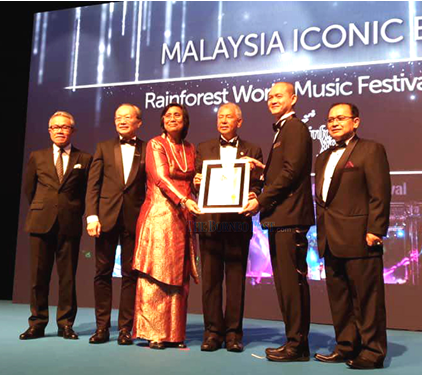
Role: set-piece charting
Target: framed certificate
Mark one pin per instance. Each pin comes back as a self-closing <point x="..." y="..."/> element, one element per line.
<point x="224" y="186"/>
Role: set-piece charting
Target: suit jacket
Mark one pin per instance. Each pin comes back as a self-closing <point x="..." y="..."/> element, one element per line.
<point x="51" y="200"/>
<point x="210" y="150"/>
<point x="358" y="199"/>
<point x="107" y="192"/>
<point x="286" y="199"/>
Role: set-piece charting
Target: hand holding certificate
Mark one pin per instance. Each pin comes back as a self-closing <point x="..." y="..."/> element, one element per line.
<point x="224" y="186"/>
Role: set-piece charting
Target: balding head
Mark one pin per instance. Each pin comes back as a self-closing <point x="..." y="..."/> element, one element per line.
<point x="287" y="86"/>
<point x="281" y="99"/>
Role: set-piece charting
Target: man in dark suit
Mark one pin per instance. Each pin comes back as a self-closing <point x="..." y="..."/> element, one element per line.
<point x="287" y="211"/>
<point x="116" y="191"/>
<point x="55" y="185"/>
<point x="353" y="192"/>
<point x="225" y="252"/>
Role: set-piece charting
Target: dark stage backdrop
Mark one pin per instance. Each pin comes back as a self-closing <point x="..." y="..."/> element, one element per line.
<point x="89" y="60"/>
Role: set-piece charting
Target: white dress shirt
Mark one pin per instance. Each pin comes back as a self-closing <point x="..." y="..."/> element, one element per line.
<point x="128" y="152"/>
<point x="228" y="153"/>
<point x="282" y="121"/>
<point x="333" y="161"/>
<point x="65" y="155"/>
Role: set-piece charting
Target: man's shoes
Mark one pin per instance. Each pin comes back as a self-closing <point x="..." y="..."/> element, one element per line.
<point x="274" y="350"/>
<point x="288" y="354"/>
<point x="331" y="358"/>
<point x="156" y="345"/>
<point x="211" y="344"/>
<point x="361" y="363"/>
<point x="67" y="333"/>
<point x="100" y="336"/>
<point x="124" y="337"/>
<point x="235" y="346"/>
<point x="32" y="333"/>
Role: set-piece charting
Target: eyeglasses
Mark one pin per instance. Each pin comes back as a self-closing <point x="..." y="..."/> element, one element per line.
<point x="127" y="118"/>
<point x="331" y="120"/>
<point x="176" y="116"/>
<point x="65" y="128"/>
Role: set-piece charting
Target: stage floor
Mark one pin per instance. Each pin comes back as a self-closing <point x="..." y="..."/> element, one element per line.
<point x="56" y="356"/>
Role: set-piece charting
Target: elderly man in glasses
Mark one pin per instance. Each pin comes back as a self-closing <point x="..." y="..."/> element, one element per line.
<point x="55" y="185"/>
<point x="353" y="191"/>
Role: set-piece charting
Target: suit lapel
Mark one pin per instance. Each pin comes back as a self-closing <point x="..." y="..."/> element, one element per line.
<point x="119" y="162"/>
<point x="135" y="163"/>
<point x="242" y="150"/>
<point x="215" y="150"/>
<point x="51" y="168"/>
<point x="269" y="158"/>
<point x="73" y="157"/>
<point x="321" y="175"/>
<point x="337" y="174"/>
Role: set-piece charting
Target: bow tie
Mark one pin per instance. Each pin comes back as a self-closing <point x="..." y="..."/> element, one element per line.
<point x="131" y="142"/>
<point x="232" y="143"/>
<point x="338" y="146"/>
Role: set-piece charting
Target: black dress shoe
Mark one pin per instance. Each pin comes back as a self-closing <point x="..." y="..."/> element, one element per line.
<point x="100" y="336"/>
<point x="274" y="350"/>
<point x="67" y="333"/>
<point x="288" y="354"/>
<point x="331" y="358"/>
<point x="124" y="337"/>
<point x="211" y="344"/>
<point x="270" y="351"/>
<point x="235" y="346"/>
<point x="156" y="345"/>
<point x="32" y="333"/>
<point x="361" y="363"/>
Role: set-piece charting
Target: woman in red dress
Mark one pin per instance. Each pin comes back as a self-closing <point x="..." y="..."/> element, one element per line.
<point x="165" y="251"/>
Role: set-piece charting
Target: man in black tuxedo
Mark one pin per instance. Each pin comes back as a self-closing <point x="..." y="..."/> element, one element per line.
<point x="116" y="191"/>
<point x="224" y="253"/>
<point x="286" y="207"/>
<point x="55" y="185"/>
<point x="353" y="192"/>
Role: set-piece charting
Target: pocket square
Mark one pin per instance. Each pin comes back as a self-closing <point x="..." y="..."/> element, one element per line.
<point x="349" y="164"/>
<point x="77" y="166"/>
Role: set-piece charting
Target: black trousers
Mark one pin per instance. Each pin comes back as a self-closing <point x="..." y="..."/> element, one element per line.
<point x="357" y="301"/>
<point x="105" y="252"/>
<point x="45" y="248"/>
<point x="288" y="251"/>
<point x="224" y="255"/>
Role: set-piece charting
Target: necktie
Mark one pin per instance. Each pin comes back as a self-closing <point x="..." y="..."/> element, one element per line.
<point x="131" y="142"/>
<point x="59" y="165"/>
<point x="232" y="143"/>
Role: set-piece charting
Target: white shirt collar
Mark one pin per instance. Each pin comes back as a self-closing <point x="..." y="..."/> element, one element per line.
<point x="285" y="116"/>
<point x="66" y="149"/>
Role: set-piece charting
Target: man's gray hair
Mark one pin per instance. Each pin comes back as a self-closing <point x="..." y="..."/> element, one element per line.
<point x="136" y="109"/>
<point x="63" y="114"/>
<point x="238" y="111"/>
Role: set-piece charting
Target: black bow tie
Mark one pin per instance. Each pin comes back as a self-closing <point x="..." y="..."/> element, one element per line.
<point x="131" y="142"/>
<point x="338" y="146"/>
<point x="232" y="143"/>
